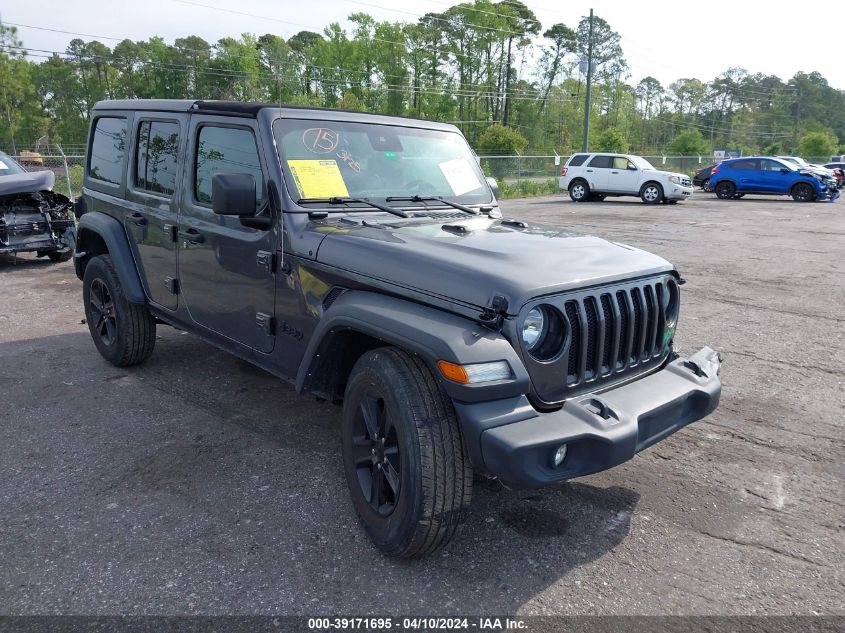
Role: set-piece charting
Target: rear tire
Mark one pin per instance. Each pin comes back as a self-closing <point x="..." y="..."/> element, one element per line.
<point x="725" y="190"/>
<point x="403" y="455"/>
<point x="123" y="332"/>
<point x="579" y="191"/>
<point x="802" y="192"/>
<point x="651" y="193"/>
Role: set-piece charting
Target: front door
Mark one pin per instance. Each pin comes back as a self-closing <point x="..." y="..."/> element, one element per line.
<point x="623" y="176"/>
<point x="771" y="179"/>
<point x="225" y="268"/>
<point x="152" y="201"/>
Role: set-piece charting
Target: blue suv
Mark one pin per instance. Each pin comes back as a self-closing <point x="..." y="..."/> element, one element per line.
<point x="762" y="175"/>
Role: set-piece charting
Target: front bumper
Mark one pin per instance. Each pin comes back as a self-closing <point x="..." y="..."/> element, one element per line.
<point x="512" y="440"/>
<point x="671" y="191"/>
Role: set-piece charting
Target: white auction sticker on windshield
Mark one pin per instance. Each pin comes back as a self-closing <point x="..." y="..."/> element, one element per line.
<point x="3" y="165"/>
<point x="460" y="176"/>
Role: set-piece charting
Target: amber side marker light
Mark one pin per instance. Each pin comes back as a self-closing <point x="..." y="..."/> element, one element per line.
<point x="475" y="373"/>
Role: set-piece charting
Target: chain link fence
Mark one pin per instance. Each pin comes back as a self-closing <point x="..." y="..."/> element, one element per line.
<point x="517" y="175"/>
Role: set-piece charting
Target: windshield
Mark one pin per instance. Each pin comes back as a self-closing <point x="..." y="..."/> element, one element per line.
<point x="641" y="162"/>
<point x="8" y="166"/>
<point x="325" y="159"/>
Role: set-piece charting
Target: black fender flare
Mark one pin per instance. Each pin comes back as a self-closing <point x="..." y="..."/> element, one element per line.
<point x="112" y="233"/>
<point x="428" y="332"/>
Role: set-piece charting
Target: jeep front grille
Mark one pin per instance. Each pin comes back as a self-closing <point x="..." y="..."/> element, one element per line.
<point x="613" y="333"/>
<point x="625" y="331"/>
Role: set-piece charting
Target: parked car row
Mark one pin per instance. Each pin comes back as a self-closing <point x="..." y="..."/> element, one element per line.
<point x="754" y="175"/>
<point x="595" y="176"/>
<point x="766" y="175"/>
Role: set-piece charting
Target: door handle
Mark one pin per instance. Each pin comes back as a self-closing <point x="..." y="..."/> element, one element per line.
<point x="614" y="172"/>
<point x="136" y="218"/>
<point x="192" y="235"/>
<point x="590" y="170"/>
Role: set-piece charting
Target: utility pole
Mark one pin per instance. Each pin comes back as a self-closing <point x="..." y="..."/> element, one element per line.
<point x="586" y="144"/>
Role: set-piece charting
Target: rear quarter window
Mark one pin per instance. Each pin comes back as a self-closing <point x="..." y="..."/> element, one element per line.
<point x="108" y="147"/>
<point x="577" y="160"/>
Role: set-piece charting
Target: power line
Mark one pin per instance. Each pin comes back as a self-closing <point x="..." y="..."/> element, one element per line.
<point x="306" y="26"/>
<point x="439" y="19"/>
<point x="406" y="89"/>
<point x="459" y="92"/>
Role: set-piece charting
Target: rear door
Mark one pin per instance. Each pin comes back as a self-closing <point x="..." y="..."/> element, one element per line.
<point x="597" y="171"/>
<point x="225" y="268"/>
<point x="746" y="174"/>
<point x="622" y="176"/>
<point x="152" y="195"/>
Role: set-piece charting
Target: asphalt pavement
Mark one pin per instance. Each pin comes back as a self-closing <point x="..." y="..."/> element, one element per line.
<point x="198" y="484"/>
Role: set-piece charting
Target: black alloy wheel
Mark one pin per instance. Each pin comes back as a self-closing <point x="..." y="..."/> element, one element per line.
<point x="802" y="192"/>
<point x="725" y="190"/>
<point x="103" y="319"/>
<point x="378" y="459"/>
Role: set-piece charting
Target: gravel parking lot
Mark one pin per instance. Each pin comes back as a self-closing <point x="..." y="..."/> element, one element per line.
<point x="199" y="484"/>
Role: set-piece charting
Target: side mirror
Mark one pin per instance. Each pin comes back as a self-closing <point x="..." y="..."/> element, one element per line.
<point x="632" y="167"/>
<point x="494" y="186"/>
<point x="233" y="194"/>
<point x="784" y="170"/>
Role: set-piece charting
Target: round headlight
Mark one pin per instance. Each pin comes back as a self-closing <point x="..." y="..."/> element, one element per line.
<point x="543" y="333"/>
<point x="533" y="328"/>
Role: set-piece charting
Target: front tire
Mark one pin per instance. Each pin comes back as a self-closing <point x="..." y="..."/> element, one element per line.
<point x="403" y="455"/>
<point x="123" y="332"/>
<point x="579" y="191"/>
<point x="802" y="192"/>
<point x="651" y="193"/>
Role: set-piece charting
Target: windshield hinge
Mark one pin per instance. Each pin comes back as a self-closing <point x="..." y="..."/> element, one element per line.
<point x="494" y="314"/>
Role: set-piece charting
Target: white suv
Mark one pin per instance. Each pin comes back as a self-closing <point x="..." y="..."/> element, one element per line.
<point x="594" y="176"/>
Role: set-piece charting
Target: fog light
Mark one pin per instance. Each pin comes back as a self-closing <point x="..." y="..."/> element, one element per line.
<point x="560" y="455"/>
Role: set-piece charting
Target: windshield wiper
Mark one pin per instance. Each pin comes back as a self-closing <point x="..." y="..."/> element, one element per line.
<point x="454" y="205"/>
<point x="343" y="200"/>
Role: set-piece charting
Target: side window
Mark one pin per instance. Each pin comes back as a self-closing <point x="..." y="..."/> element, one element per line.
<point x="107" y="149"/>
<point x="745" y="164"/>
<point x="577" y="160"/>
<point x="155" y="162"/>
<point x="601" y="161"/>
<point x="771" y="165"/>
<point x="226" y="150"/>
<point x="620" y="162"/>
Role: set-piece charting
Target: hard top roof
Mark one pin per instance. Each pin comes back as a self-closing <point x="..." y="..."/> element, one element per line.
<point x="251" y="109"/>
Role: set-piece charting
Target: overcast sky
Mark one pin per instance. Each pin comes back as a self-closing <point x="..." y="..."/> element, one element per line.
<point x="665" y="39"/>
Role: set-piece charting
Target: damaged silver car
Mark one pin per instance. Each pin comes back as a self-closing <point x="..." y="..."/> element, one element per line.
<point x="34" y="218"/>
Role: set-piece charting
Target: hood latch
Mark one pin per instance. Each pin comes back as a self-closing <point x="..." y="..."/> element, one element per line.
<point x="494" y="314"/>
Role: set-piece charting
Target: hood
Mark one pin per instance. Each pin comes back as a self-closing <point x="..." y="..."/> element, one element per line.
<point x="30" y="182"/>
<point x="660" y="172"/>
<point x="491" y="257"/>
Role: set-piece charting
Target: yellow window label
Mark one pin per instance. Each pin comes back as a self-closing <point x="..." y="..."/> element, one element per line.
<point x="318" y="178"/>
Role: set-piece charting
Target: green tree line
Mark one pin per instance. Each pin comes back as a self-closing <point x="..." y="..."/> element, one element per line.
<point x="482" y="65"/>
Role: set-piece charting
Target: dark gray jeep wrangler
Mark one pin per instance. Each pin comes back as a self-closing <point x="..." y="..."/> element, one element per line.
<point x="364" y="259"/>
